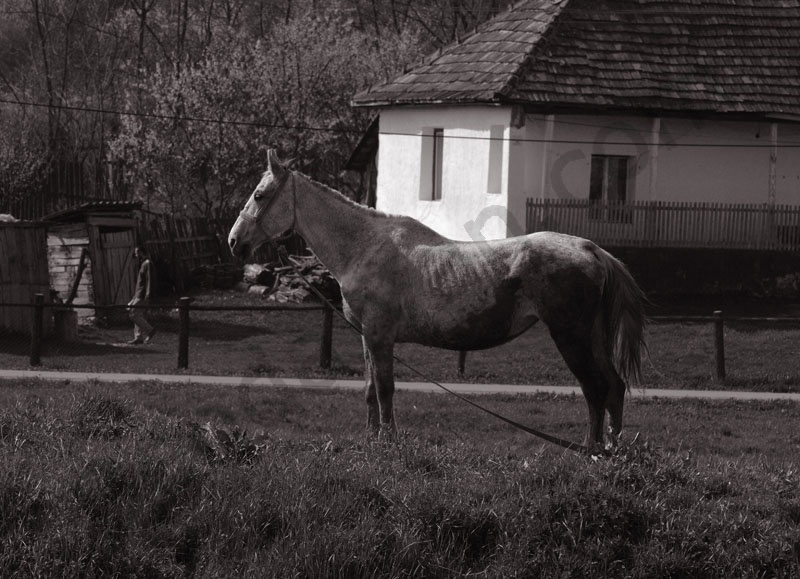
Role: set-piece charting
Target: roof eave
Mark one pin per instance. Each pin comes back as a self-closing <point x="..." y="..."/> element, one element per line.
<point x="553" y="107"/>
<point x="653" y="111"/>
<point x="494" y="100"/>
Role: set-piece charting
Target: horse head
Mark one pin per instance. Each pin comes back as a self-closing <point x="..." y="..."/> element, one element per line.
<point x="268" y="212"/>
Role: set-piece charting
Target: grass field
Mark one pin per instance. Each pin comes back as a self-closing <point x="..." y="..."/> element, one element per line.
<point x="149" y="480"/>
<point x="152" y="480"/>
<point x="759" y="356"/>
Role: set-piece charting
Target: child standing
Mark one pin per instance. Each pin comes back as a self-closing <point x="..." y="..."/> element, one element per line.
<point x="143" y="332"/>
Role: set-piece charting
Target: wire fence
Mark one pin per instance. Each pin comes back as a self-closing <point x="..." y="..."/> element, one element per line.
<point x="55" y="330"/>
<point x="214" y="337"/>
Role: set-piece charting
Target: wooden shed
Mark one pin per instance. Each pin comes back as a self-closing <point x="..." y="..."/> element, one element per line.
<point x="23" y="273"/>
<point x="95" y="240"/>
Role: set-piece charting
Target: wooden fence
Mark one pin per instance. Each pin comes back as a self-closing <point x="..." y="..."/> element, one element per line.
<point x="68" y="183"/>
<point x="187" y="245"/>
<point x="37" y="311"/>
<point x="38" y="308"/>
<point x="181" y="245"/>
<point x="23" y="272"/>
<point x="670" y="224"/>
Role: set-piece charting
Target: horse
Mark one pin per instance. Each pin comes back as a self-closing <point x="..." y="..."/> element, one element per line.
<point x="403" y="282"/>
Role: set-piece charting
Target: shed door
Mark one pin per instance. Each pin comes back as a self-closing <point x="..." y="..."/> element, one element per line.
<point x="119" y="265"/>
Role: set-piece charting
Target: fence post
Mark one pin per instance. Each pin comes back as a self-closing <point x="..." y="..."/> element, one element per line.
<point x="326" y="344"/>
<point x="37" y="330"/>
<point x="719" y="344"/>
<point x="462" y="362"/>
<point x="183" y="333"/>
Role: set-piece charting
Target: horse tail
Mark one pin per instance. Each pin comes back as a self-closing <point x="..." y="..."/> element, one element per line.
<point x="623" y="316"/>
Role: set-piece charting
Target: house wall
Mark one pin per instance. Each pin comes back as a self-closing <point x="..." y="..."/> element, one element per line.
<point x="65" y="243"/>
<point x="550" y="156"/>
<point x="467" y="209"/>
<point x="696" y="160"/>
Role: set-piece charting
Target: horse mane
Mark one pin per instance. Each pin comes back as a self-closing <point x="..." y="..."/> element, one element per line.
<point x="342" y="198"/>
<point x="391" y="224"/>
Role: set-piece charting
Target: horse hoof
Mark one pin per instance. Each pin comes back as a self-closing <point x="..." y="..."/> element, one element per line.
<point x="596" y="450"/>
<point x="387" y="432"/>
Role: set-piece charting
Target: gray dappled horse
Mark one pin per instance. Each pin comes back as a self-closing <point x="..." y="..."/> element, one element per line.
<point x="403" y="282"/>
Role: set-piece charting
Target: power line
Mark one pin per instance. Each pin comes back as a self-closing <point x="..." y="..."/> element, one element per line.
<point x="285" y="126"/>
<point x="176" y="117"/>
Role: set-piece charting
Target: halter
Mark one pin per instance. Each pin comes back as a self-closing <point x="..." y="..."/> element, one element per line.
<point x="245" y="216"/>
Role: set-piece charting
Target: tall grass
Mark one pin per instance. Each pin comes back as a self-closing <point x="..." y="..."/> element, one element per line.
<point x="98" y="485"/>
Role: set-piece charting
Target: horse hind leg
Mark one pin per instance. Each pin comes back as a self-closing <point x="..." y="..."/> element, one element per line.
<point x="602" y="349"/>
<point x="576" y="347"/>
<point x="607" y="383"/>
<point x="615" y="402"/>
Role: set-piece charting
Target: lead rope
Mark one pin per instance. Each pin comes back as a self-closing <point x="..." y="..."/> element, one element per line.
<point x="573" y="446"/>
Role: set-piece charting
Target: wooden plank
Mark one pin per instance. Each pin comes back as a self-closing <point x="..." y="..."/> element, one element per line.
<point x="693" y="232"/>
<point x="713" y="223"/>
<point x="529" y="223"/>
<point x="4" y="313"/>
<point x="709" y="223"/>
<point x="109" y="221"/>
<point x="97" y="256"/>
<point x="669" y="215"/>
<point x="736" y="224"/>
<point x="793" y="221"/>
<point x="7" y="251"/>
<point x="686" y="218"/>
<point x="120" y="265"/>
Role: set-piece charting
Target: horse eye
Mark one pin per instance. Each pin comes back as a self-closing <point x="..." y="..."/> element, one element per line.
<point x="258" y="196"/>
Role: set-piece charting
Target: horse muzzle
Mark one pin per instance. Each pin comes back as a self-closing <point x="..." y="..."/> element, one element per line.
<point x="238" y="248"/>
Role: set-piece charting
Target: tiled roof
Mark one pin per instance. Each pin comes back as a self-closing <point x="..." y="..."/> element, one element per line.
<point x="723" y="56"/>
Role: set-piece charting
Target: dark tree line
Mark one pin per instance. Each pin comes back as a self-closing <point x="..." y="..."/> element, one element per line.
<point x="174" y="102"/>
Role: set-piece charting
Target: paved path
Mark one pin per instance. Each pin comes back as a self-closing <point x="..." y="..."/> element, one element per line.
<point x="359" y="384"/>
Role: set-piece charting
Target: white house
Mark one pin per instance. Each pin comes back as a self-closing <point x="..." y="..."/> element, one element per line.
<point x="632" y="122"/>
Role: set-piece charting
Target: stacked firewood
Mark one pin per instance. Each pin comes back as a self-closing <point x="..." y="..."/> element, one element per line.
<point x="292" y="282"/>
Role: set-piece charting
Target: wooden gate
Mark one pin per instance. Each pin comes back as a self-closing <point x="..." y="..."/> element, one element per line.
<point x="23" y="273"/>
<point x="119" y="265"/>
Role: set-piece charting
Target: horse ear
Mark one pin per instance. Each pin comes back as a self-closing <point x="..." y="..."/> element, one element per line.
<point x="273" y="162"/>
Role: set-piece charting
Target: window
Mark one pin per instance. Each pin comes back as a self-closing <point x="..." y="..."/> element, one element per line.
<point x="495" y="178"/>
<point x="431" y="164"/>
<point x="608" y="188"/>
<point x="438" y="150"/>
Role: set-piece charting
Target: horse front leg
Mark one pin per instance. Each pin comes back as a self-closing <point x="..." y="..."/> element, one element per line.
<point x="370" y="394"/>
<point x="381" y="389"/>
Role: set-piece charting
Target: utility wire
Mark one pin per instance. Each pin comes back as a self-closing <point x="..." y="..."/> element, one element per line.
<point x="285" y="126"/>
<point x="174" y="117"/>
